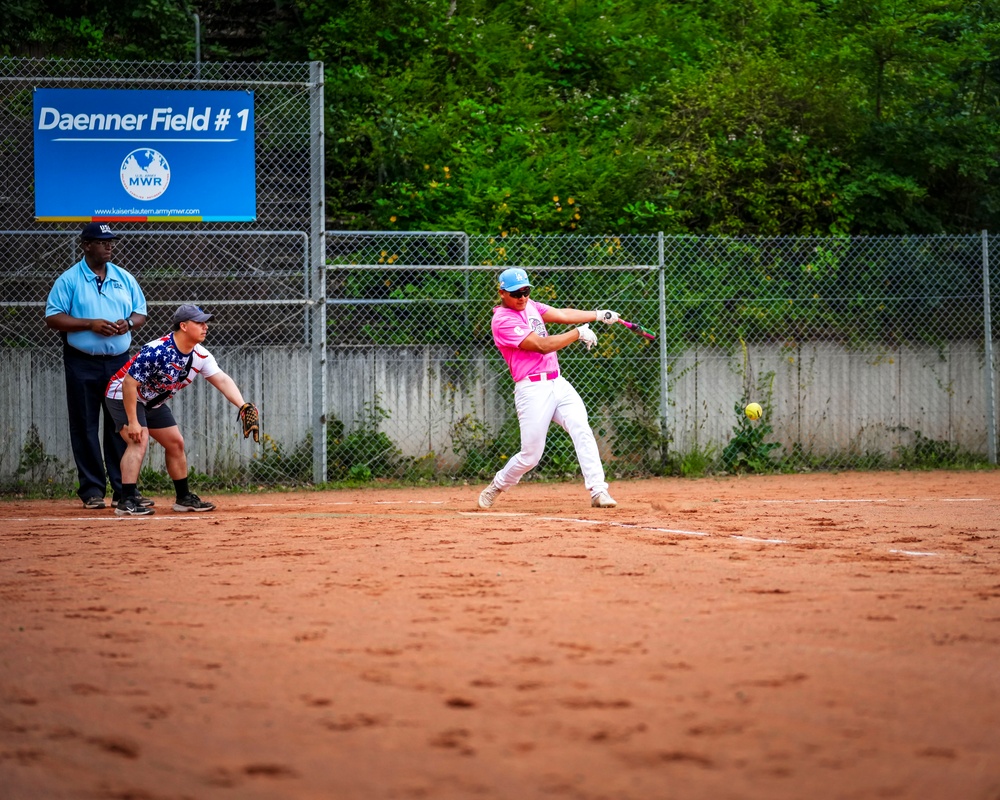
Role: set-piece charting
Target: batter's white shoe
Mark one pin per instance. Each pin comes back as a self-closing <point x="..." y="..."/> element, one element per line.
<point x="488" y="496"/>
<point x="603" y="500"/>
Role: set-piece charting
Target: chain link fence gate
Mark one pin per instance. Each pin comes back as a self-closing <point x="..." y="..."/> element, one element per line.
<point x="370" y="353"/>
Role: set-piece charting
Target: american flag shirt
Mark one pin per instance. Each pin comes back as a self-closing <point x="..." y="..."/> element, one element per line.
<point x="161" y="371"/>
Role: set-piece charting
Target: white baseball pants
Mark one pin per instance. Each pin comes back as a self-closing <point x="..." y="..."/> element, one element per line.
<point x="538" y="404"/>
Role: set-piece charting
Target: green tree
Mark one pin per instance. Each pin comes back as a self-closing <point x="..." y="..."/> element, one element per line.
<point x="711" y="116"/>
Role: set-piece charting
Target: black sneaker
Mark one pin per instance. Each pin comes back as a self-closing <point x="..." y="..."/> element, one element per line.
<point x="145" y="502"/>
<point x="93" y="502"/>
<point x="130" y="508"/>
<point x="191" y="502"/>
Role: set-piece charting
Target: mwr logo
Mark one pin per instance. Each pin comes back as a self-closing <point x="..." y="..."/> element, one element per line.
<point x="145" y="174"/>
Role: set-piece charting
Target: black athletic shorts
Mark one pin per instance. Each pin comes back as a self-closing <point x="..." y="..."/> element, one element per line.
<point x="152" y="418"/>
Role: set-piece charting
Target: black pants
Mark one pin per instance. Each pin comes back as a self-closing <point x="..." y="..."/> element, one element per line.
<point x="98" y="454"/>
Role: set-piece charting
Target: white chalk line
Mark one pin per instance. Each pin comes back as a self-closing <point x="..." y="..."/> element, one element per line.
<point x="177" y="516"/>
<point x="869" y="500"/>
<point x="632" y="526"/>
<point x="679" y="532"/>
<point x="577" y="520"/>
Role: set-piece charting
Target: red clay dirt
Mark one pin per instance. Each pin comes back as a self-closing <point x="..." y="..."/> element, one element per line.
<point x="810" y="636"/>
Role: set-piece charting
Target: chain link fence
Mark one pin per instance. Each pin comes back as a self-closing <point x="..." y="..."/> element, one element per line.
<point x="261" y="279"/>
<point x="370" y="353"/>
<point x="865" y="353"/>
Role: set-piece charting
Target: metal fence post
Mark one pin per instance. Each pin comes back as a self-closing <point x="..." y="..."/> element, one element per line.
<point x="664" y="383"/>
<point x="317" y="251"/>
<point x="991" y="409"/>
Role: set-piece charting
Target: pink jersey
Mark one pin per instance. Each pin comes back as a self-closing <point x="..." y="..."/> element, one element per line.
<point x="510" y="327"/>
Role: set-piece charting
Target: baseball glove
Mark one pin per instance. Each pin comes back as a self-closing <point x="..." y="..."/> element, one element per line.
<point x="250" y="417"/>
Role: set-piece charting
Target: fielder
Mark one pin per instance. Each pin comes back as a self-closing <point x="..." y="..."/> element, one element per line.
<point x="541" y="394"/>
<point x="137" y="398"/>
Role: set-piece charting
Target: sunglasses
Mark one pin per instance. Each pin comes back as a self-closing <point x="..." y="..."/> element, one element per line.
<point x="520" y="293"/>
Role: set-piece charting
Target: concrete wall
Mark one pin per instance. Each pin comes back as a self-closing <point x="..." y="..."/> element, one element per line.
<point x="831" y="400"/>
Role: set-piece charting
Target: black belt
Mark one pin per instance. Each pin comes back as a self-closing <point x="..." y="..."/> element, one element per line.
<point x="70" y="350"/>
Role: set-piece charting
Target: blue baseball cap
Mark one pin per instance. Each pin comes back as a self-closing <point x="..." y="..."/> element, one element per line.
<point x="513" y="279"/>
<point x="98" y="230"/>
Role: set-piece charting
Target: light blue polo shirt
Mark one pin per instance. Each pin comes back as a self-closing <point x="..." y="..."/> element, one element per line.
<point x="75" y="293"/>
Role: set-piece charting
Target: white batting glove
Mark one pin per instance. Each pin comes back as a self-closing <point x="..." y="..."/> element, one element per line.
<point x="608" y="317"/>
<point x="587" y="336"/>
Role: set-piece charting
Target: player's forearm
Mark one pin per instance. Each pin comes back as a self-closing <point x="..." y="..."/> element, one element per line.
<point x="130" y="398"/>
<point x="569" y="316"/>
<point x="228" y="387"/>
<point x="549" y="344"/>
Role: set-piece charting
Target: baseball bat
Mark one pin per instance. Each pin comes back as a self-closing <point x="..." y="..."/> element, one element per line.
<point x="635" y="327"/>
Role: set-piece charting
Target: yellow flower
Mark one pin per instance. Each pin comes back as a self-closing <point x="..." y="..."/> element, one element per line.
<point x="392" y="219"/>
<point x="555" y="199"/>
<point x="427" y="166"/>
<point x="570" y="200"/>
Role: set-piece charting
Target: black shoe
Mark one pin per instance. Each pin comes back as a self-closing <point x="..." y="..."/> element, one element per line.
<point x="145" y="502"/>
<point x="130" y="508"/>
<point x="93" y="502"/>
<point x="191" y="502"/>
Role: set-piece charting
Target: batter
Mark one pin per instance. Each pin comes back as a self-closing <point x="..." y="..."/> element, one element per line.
<point x="541" y="394"/>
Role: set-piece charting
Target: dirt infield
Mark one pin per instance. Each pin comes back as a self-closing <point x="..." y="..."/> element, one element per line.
<point x="816" y="636"/>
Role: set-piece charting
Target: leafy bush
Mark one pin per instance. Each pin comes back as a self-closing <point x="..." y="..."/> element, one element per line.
<point x="37" y="467"/>
<point x="747" y="451"/>
<point x="926" y="453"/>
<point x="363" y="453"/>
<point x="483" y="451"/>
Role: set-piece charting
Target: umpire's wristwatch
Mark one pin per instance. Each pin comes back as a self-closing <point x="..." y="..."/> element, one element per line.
<point x="130" y="323"/>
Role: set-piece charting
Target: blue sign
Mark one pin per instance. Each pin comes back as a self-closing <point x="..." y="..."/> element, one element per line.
<point x="144" y="156"/>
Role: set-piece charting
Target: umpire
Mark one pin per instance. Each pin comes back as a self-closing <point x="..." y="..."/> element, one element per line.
<point x="95" y="305"/>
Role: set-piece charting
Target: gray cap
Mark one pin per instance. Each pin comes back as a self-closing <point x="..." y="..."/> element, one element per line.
<point x="190" y="312"/>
